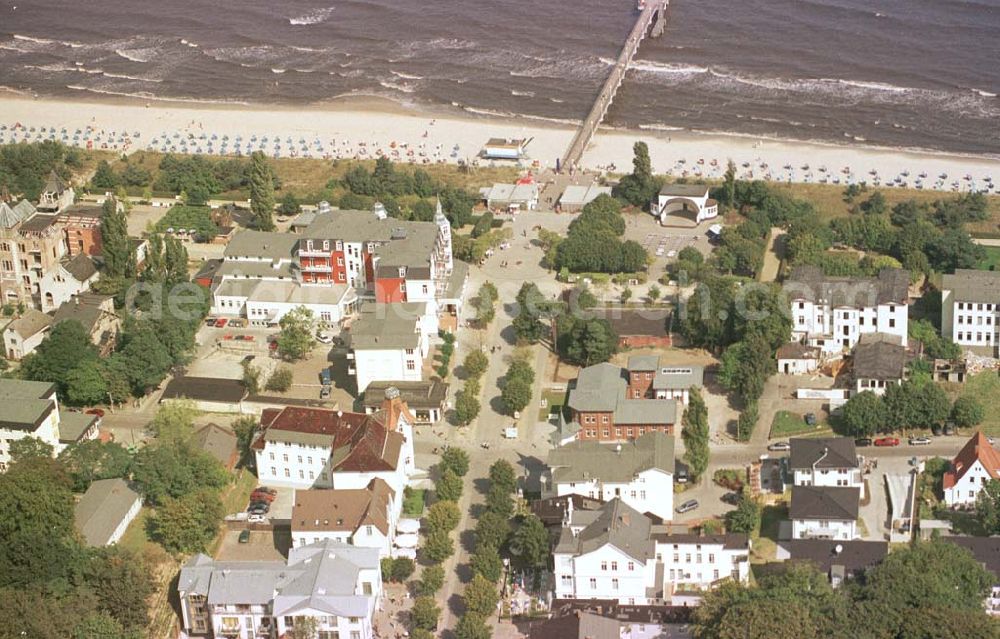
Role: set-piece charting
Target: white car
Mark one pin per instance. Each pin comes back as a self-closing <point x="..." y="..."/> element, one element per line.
<point x="256" y="519"/>
<point x="919" y="441"/>
<point x="324" y="338"/>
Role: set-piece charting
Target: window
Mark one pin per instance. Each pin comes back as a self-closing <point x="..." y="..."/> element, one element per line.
<point x="631" y="566"/>
<point x="340" y="261"/>
<point x="311" y="475"/>
<point x="687" y="558"/>
<point x="411" y="365"/>
<point x="301" y="475"/>
<point x="614" y="566"/>
<point x="604" y="419"/>
<point x="614" y="584"/>
<point x="366" y="588"/>
<point x="274" y="472"/>
<point x="329" y="634"/>
<point x="593" y="583"/>
<point x="287" y="473"/>
<point x="290" y="621"/>
<point x="284" y="458"/>
<point x="300" y="459"/>
<point x="353" y="619"/>
<point x="711" y="558"/>
<point x="272" y="456"/>
<point x="715" y="574"/>
<point x="604" y="565"/>
<point x="892" y="322"/>
<point x="355" y="634"/>
<point x="309" y="460"/>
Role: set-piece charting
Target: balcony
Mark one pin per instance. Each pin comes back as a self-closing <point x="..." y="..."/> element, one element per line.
<point x="350" y="356"/>
<point x="351" y="370"/>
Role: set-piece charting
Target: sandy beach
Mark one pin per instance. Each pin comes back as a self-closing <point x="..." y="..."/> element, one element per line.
<point x="365" y="127"/>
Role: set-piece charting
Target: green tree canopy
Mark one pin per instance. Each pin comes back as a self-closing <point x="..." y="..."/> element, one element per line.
<point x="503" y="476"/>
<point x="297" y="335"/>
<point x="448" y="486"/>
<point x="486" y="562"/>
<point x="443" y="515"/>
<point x="695" y="433"/>
<point x="530" y="542"/>
<point x="261" y="192"/>
<point x="91" y="459"/>
<point x="456" y="459"/>
<point x="481" y="595"/>
<point x="472" y="626"/>
<point x="864" y="415"/>
<point x="188" y="523"/>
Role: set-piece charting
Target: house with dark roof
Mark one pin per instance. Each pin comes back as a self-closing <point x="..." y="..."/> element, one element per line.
<point x="337" y="585"/>
<point x="210" y="394"/>
<point x="797" y="359"/>
<point x="824" y="461"/>
<point x="824" y="512"/>
<point x="615" y="552"/>
<point x="637" y="328"/>
<point x="612" y="404"/>
<point x="640" y="472"/>
<point x="970" y="310"/>
<point x="986" y="550"/>
<point x="96" y="313"/>
<point x="56" y="195"/>
<point x="427" y="400"/>
<point x="390" y="342"/>
<point x="219" y="442"/>
<point x="22" y="335"/>
<point x="975" y="465"/>
<point x="30" y="409"/>
<point x="840" y="560"/>
<point x="71" y="277"/>
<point x="317" y="448"/>
<point x="879" y="362"/>
<point x="577" y="625"/>
<point x="357" y="516"/>
<point x="105" y="511"/>
<point x="831" y="313"/>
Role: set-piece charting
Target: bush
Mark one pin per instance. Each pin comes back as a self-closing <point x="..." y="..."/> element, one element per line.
<point x="730" y="478"/>
<point x="280" y="380"/>
<point x="967" y="412"/>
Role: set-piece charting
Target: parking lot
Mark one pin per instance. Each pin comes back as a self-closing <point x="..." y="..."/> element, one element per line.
<point x="264" y="545"/>
<point x="663" y="245"/>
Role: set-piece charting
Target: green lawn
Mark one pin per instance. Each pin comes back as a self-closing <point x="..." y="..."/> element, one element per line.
<point x="992" y="259"/>
<point x="765" y="546"/>
<point x="985" y="388"/>
<point x="136" y="538"/>
<point x="788" y="424"/>
<point x="413" y="502"/>
<point x="556" y="400"/>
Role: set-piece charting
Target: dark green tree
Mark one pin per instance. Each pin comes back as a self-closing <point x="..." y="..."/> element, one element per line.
<point x="442" y="515"/>
<point x="65" y="347"/>
<point x="92" y="459"/>
<point x="456" y="459"/>
<point x="448" y="487"/>
<point x="486" y="562"/>
<point x="747" y="421"/>
<point x="289" y="204"/>
<point x="438" y="546"/>
<point x="492" y="530"/>
<point x="472" y="626"/>
<point x="864" y="415"/>
<point x="967" y="412"/>
<point x="104" y="178"/>
<point x="261" y="192"/>
<point x="746" y="517"/>
<point x="431" y="580"/>
<point x="530" y="542"/>
<point x="481" y="596"/>
<point x="297" y="335"/>
<point x="503" y="476"/>
<point x="425" y="613"/>
<point x="988" y="507"/>
<point x="695" y="434"/>
<point x="123" y="583"/>
<point x="116" y="248"/>
<point x="466" y="407"/>
<point x="188" y="523"/>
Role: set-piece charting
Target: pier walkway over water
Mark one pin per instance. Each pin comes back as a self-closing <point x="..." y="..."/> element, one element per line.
<point x="652" y="20"/>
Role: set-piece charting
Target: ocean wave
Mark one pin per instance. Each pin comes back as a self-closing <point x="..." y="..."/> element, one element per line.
<point x="137" y="55"/>
<point x="664" y="68"/>
<point x="144" y="95"/>
<point x="25" y="38"/>
<point x="523" y="94"/>
<point x="406" y="76"/>
<point x="397" y="87"/>
<point x="122" y="76"/>
<point x="193" y="45"/>
<point x="278" y="70"/>
<point x="313" y="17"/>
<point x="984" y="94"/>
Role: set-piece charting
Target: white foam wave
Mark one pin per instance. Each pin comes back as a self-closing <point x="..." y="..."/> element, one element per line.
<point x="193" y="45"/>
<point x="406" y="76"/>
<point x="313" y="17"/>
<point x="277" y="70"/>
<point x="657" y="67"/>
<point x="25" y="38"/>
<point x="136" y="55"/>
<point x="523" y="94"/>
<point x="984" y="94"/>
<point x="397" y="87"/>
<point x="144" y="95"/>
<point x="122" y="76"/>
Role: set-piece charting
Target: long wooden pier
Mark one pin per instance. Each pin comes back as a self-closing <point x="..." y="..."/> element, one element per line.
<point x="652" y="20"/>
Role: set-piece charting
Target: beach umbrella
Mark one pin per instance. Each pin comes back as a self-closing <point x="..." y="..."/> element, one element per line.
<point x="409" y="553"/>
<point x="408" y="526"/>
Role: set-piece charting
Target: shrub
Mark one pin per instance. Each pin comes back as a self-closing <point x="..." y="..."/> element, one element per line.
<point x="280" y="380"/>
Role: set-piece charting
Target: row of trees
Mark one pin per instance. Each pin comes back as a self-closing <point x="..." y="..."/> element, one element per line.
<point x="517" y="384"/>
<point x="916" y="403"/>
<point x="467" y="400"/>
<point x="930" y="589"/>
<point x="24" y="168"/>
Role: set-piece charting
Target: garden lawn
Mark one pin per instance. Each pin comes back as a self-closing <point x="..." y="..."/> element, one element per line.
<point x="992" y="259"/>
<point x="985" y="388"/>
<point x="788" y="424"/>
<point x="555" y="402"/>
<point x="413" y="504"/>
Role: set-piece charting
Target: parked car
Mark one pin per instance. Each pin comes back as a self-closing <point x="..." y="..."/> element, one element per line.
<point x="687" y="506"/>
<point x="256" y="518"/>
<point x="731" y="498"/>
<point x="810" y="419"/>
<point x="324" y="392"/>
<point x="887" y="441"/>
<point x="325" y="377"/>
<point x="324" y="338"/>
<point x="863" y="441"/>
<point x="949" y="430"/>
<point x="209" y="321"/>
<point x="221" y="322"/>
<point x="238" y="322"/>
<point x="936" y="430"/>
<point x="919" y="441"/>
<point x="258" y="509"/>
<point x="244" y="535"/>
<point x="779" y="446"/>
<point x="95" y="411"/>
<point x="265" y="489"/>
<point x="261" y="497"/>
<point x="681" y="476"/>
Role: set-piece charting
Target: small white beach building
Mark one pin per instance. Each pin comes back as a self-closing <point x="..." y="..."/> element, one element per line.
<point x="684" y="205"/>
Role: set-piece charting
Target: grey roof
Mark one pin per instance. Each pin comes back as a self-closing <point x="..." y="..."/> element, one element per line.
<point x="824" y="502"/>
<point x="81" y="267"/>
<point x="295" y="293"/>
<point x="102" y="509"/>
<point x="809" y="283"/>
<point x="603" y="388"/>
<point x="204" y="389"/>
<point x="459" y="274"/>
<point x="262" y="244"/>
<point x="37" y="223"/>
<point x="73" y="425"/>
<point x="322" y="576"/>
<point x="854" y="556"/>
<point x="363" y="226"/>
<point x="729" y="541"/>
<point x="24" y="403"/>
<point x="643" y="363"/>
<point x="795" y="350"/>
<point x="969" y="285"/>
<point x="387" y="326"/>
<point x="684" y="190"/>
<point x="679" y="376"/>
<point x="825" y="452"/>
<point x="879" y="359"/>
<point x="251" y="269"/>
<point x="586" y="460"/>
<point x="85" y="308"/>
<point x="580" y="195"/>
<point x="217" y="441"/>
<point x="584" y="625"/>
<point x="425" y="394"/>
<point x="986" y="550"/>
<point x="615" y="523"/>
<point x="513" y="193"/>
<point x="30" y="323"/>
<point x="54" y="183"/>
<point x="236" y="288"/>
<point x="639" y="322"/>
<point x="11" y="216"/>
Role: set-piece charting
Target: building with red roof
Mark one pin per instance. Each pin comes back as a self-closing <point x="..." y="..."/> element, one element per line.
<point x="974" y="466"/>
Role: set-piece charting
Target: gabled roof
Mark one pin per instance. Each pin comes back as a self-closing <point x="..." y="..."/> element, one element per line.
<point x="971" y="285"/>
<point x="854" y="556"/>
<point x="824" y="452"/>
<point x="879" y="356"/>
<point x="262" y="244"/>
<point x="217" y="441"/>
<point x="603" y="388"/>
<point x="584" y="625"/>
<point x="795" y="350"/>
<point x="54" y="184"/>
<point x="809" y="283"/>
<point x="358" y="442"/>
<point x="340" y="510"/>
<point x="825" y="502"/>
<point x="976" y="449"/>
<point x="11" y="216"/>
<point x="587" y="460"/>
<point x="30" y="323"/>
<point x="986" y="550"/>
<point x="81" y="267"/>
<point x="616" y="524"/>
<point x="102" y="509"/>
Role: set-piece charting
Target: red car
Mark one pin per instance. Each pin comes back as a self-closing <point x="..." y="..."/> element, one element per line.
<point x="887" y="441"/>
<point x="95" y="411"/>
<point x="221" y="322"/>
<point x="261" y="496"/>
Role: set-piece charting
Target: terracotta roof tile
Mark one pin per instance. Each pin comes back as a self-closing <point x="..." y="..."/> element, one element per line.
<point x="977" y="448"/>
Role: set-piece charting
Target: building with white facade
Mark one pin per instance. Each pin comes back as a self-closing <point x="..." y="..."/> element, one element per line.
<point x="56" y="195"/>
<point x="639" y="472"/>
<point x="318" y="448"/>
<point x="617" y="553"/>
<point x="105" y="511"/>
<point x="970" y="310"/>
<point x="23" y="335"/>
<point x="684" y="204"/>
<point x="824" y="512"/>
<point x="797" y="359"/>
<point x="974" y="466"/>
<point x="390" y="342"/>
<point x="364" y="517"/>
<point x="825" y="461"/>
<point x="31" y="409"/>
<point x="831" y="313"/>
<point x="72" y="276"/>
<point x="512" y="197"/>
<point x="338" y="585"/>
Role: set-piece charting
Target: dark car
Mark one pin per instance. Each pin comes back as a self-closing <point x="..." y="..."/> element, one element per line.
<point x="687" y="506"/>
<point x="779" y="446"/>
<point x="731" y="498"/>
<point x="681" y="476"/>
<point x="810" y="419"/>
<point x="265" y="489"/>
<point x="258" y="509"/>
<point x="244" y="537"/>
<point x="863" y="441"/>
<point x="949" y="430"/>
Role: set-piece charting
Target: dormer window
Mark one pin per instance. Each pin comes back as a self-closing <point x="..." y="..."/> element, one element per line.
<point x="402" y="271"/>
